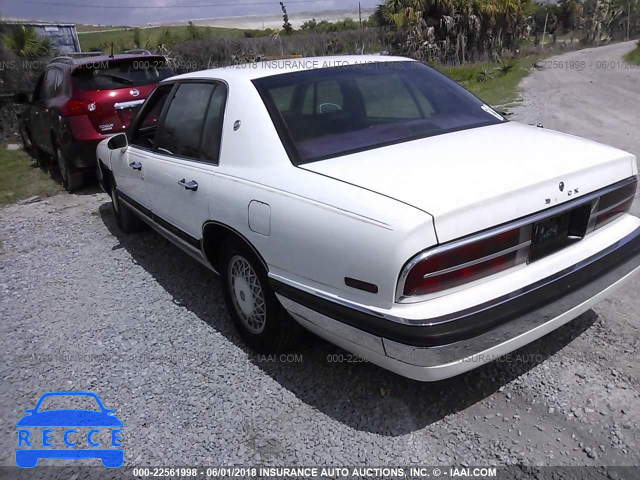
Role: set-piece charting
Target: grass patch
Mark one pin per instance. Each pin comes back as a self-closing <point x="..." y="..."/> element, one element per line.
<point x="634" y="55"/>
<point x="20" y="178"/>
<point x="150" y="37"/>
<point x="495" y="83"/>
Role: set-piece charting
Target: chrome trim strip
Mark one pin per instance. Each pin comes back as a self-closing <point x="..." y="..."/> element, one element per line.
<point x="486" y="258"/>
<point x="336" y="299"/>
<point x="519" y="223"/>
<point x="130" y="104"/>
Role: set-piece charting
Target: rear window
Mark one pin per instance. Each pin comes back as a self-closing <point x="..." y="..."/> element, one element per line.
<point x="112" y="75"/>
<point x="330" y="112"/>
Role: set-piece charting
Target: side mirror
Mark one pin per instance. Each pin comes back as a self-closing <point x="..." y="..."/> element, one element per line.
<point x="21" y="98"/>
<point x="118" y="142"/>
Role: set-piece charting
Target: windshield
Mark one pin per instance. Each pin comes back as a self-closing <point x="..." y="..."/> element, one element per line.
<point x="120" y="75"/>
<point x="68" y="402"/>
<point x="335" y="111"/>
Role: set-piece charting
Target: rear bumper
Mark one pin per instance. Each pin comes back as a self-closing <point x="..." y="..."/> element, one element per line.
<point x="459" y="342"/>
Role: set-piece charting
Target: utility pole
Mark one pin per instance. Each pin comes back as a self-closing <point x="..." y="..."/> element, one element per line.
<point x="360" y="15"/>
<point x="544" y="31"/>
<point x="628" y="18"/>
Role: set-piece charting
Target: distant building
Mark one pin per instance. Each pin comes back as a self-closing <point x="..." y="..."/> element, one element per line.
<point x="63" y="36"/>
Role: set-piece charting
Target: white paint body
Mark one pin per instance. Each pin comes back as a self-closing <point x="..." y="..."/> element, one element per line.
<point x="364" y="215"/>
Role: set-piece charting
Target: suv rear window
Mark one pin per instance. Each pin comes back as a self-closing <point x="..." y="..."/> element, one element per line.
<point x="112" y="75"/>
<point x="330" y="112"/>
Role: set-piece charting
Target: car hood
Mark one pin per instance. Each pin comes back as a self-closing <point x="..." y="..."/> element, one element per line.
<point x="478" y="178"/>
<point x="69" y="418"/>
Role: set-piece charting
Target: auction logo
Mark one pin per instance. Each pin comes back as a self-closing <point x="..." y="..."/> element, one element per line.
<point x="69" y="433"/>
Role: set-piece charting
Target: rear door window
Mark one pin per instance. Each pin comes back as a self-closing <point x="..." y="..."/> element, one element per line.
<point x="185" y="119"/>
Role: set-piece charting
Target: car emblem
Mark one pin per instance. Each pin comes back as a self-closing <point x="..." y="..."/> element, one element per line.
<point x="134" y="92"/>
<point x="561" y="186"/>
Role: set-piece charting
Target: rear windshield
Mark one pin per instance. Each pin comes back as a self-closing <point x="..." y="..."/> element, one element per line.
<point x="111" y="75"/>
<point x="330" y="112"/>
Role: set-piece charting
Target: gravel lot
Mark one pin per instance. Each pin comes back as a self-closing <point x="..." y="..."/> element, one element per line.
<point x="131" y="318"/>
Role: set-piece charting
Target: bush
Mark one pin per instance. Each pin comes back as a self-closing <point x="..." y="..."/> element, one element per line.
<point x="212" y="52"/>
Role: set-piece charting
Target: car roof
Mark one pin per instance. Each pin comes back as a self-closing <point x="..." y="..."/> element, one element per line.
<point x="267" y="68"/>
<point x="80" y="61"/>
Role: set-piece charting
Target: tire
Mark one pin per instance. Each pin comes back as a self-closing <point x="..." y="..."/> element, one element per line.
<point x="256" y="312"/>
<point x="128" y="222"/>
<point x="72" y="178"/>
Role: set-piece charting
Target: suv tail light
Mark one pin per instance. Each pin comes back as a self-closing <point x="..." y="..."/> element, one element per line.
<point x="74" y="106"/>
<point x="449" y="267"/>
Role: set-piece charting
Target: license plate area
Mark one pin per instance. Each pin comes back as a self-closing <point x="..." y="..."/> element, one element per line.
<point x="560" y="231"/>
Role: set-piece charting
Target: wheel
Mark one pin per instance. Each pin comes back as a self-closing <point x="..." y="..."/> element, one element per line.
<point x="128" y="221"/>
<point x="72" y="178"/>
<point x="26" y="459"/>
<point x="113" y="459"/>
<point x="256" y="312"/>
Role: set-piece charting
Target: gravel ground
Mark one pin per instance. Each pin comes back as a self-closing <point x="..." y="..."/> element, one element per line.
<point x="131" y="318"/>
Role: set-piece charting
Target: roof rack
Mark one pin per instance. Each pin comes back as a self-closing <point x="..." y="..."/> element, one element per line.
<point x="138" y="51"/>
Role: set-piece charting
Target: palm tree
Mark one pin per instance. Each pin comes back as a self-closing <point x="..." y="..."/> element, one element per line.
<point x="24" y="41"/>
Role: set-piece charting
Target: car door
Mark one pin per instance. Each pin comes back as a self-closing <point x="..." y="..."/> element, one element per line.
<point x="188" y="146"/>
<point x="129" y="165"/>
<point x="38" y="123"/>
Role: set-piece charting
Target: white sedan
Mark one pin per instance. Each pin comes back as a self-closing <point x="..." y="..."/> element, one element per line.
<point x="378" y="204"/>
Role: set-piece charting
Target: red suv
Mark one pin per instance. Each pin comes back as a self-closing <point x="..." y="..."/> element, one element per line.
<point x="78" y="102"/>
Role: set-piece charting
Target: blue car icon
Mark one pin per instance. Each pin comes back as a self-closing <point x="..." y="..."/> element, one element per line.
<point x="28" y="453"/>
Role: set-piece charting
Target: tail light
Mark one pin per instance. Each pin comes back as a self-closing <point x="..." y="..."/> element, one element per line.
<point x="464" y="262"/>
<point x="484" y="254"/>
<point x="611" y="205"/>
<point x="75" y="106"/>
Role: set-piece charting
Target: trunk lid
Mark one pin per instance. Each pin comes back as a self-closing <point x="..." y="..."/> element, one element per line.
<point x="479" y="178"/>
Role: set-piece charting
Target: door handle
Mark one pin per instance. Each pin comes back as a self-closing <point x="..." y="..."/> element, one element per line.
<point x="136" y="165"/>
<point x="190" y="185"/>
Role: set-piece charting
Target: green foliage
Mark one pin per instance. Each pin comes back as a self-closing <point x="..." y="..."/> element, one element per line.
<point x="326" y="27"/>
<point x="633" y="56"/>
<point x="20" y="178"/>
<point x="484" y="75"/>
<point x="255" y="33"/>
<point x="25" y="42"/>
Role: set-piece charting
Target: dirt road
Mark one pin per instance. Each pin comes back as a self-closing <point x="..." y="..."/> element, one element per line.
<point x="132" y="319"/>
<point x="591" y="93"/>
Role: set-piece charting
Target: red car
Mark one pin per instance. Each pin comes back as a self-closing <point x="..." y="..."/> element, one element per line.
<point x="78" y="102"/>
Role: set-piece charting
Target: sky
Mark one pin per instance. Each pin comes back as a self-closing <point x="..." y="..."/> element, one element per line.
<point x="140" y="12"/>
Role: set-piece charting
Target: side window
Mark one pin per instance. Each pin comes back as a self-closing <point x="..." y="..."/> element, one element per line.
<point x="50" y="83"/>
<point x="184" y="122"/>
<point x="212" y="131"/>
<point x="143" y="128"/>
